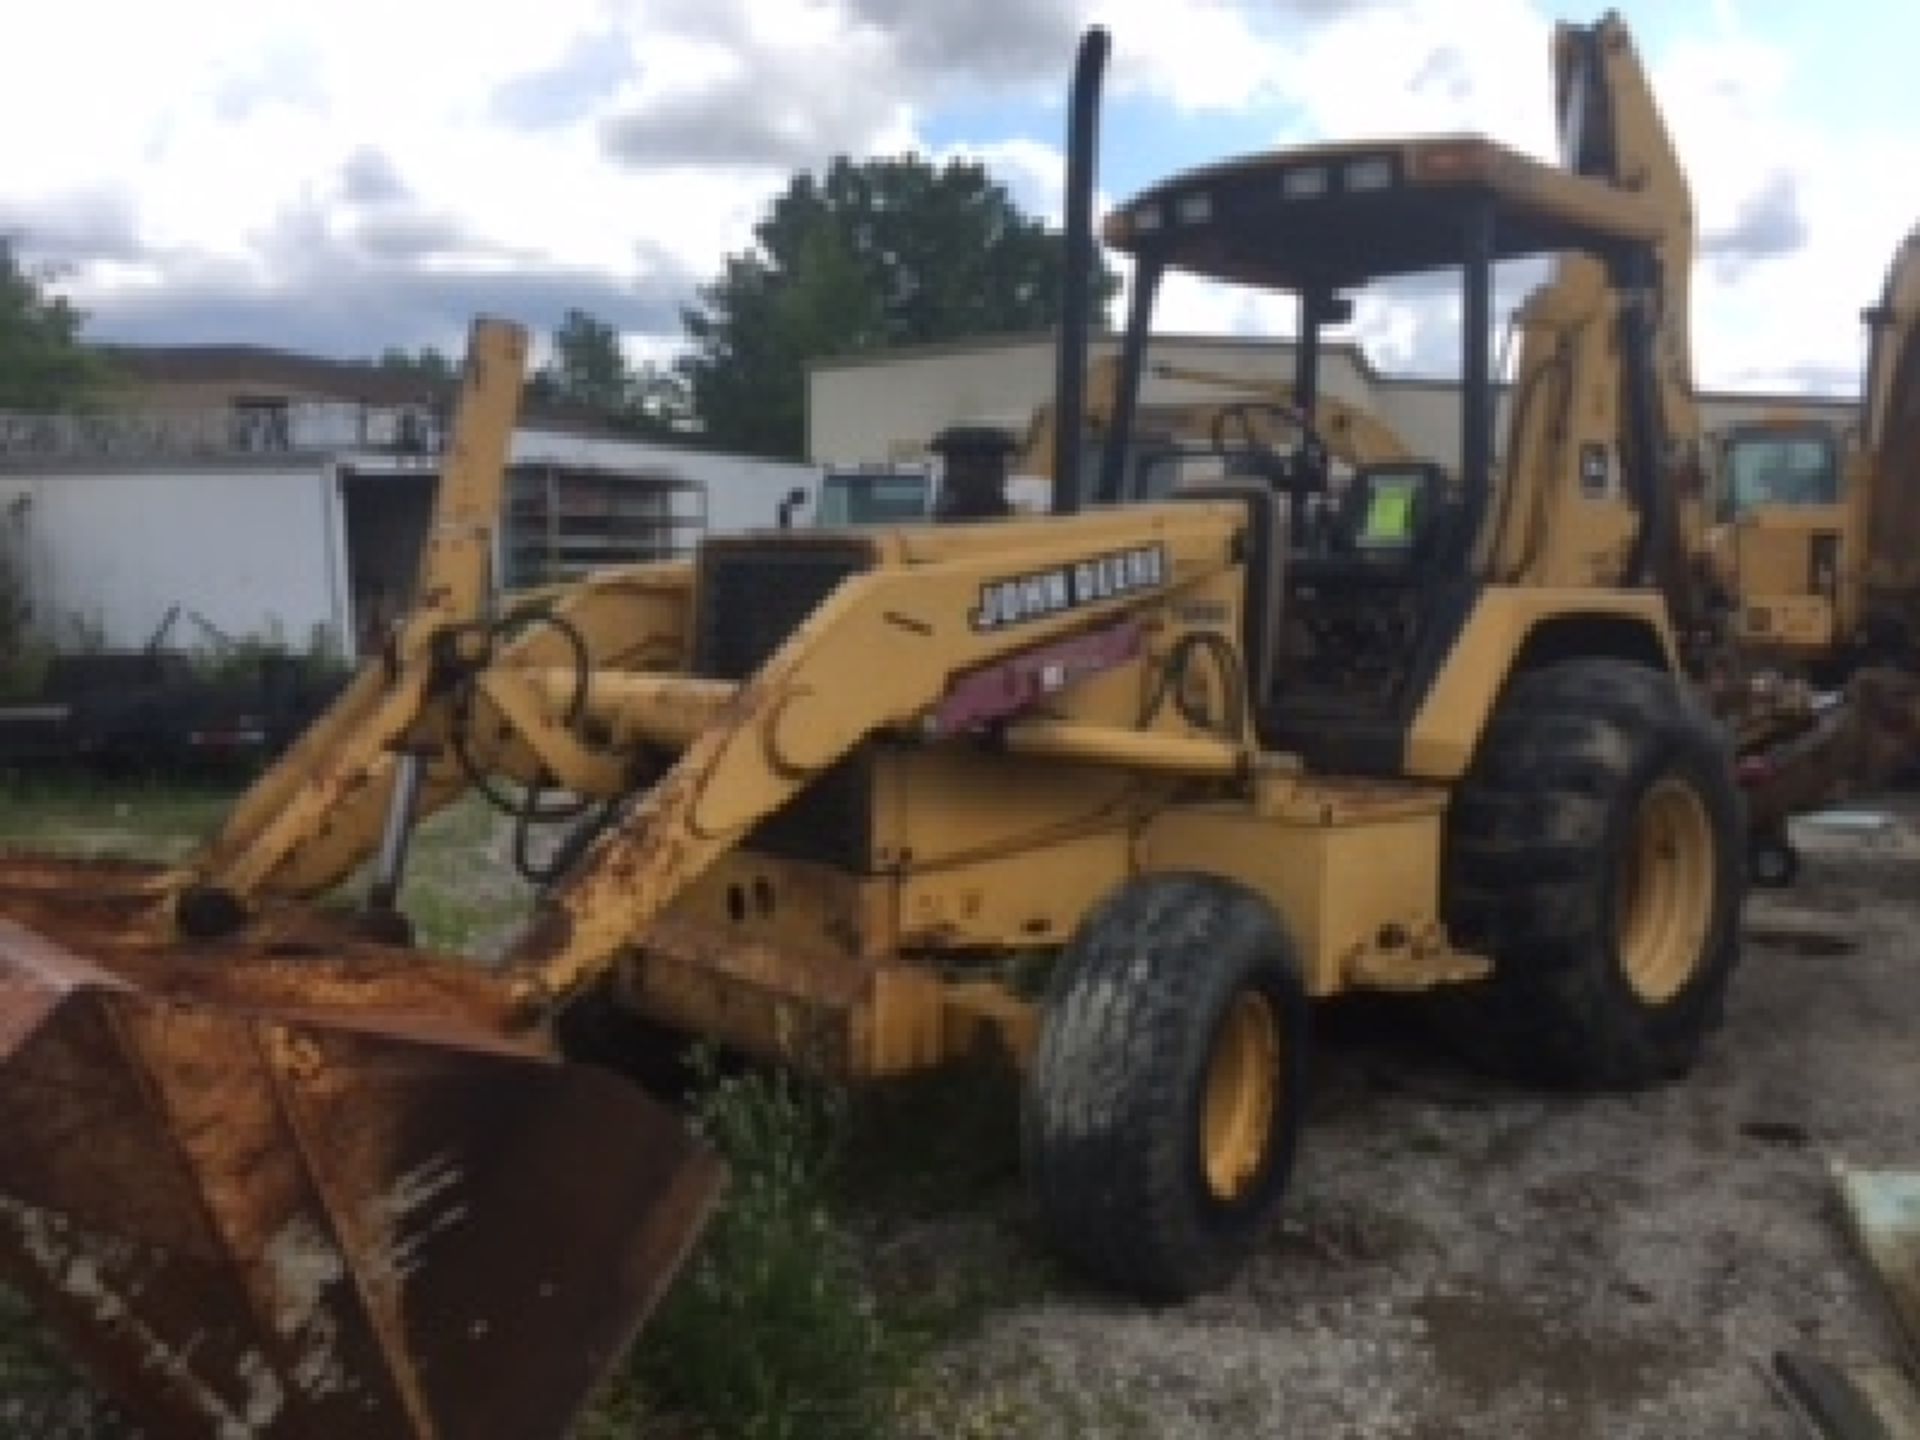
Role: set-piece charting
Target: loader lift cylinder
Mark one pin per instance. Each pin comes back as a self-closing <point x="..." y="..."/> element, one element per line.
<point x="383" y="896"/>
<point x="1070" y="379"/>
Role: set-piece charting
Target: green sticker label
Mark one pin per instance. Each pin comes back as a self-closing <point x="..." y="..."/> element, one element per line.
<point x="1389" y="515"/>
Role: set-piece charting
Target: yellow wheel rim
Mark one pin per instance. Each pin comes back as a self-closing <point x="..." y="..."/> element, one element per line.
<point x="1243" y="1090"/>
<point x="1663" y="891"/>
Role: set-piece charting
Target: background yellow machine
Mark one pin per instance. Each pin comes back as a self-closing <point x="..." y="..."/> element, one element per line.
<point x="1821" y="521"/>
<point x="1114" y="791"/>
<point x="1811" y="548"/>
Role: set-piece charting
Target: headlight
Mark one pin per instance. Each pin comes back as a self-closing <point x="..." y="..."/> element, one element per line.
<point x="1304" y="184"/>
<point x="1194" y="209"/>
<point x="1373" y="173"/>
<point x="1148" y="219"/>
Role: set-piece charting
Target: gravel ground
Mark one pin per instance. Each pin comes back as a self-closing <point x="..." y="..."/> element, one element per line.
<point x="1461" y="1260"/>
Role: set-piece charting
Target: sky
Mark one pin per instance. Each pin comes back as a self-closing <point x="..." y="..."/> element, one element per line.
<point x="346" y="176"/>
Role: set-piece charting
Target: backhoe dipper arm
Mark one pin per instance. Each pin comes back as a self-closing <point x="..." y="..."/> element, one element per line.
<point x="879" y="654"/>
<point x="1611" y="128"/>
<point x="1604" y="390"/>
<point x="1885" y="483"/>
<point x="1352" y="435"/>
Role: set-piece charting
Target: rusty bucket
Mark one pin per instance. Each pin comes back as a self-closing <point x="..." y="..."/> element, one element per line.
<point x="311" y="1187"/>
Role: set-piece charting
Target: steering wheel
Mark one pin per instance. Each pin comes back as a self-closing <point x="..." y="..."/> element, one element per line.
<point x="1299" y="473"/>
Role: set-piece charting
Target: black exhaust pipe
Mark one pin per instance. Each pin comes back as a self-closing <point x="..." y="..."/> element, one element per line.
<point x="1070" y="376"/>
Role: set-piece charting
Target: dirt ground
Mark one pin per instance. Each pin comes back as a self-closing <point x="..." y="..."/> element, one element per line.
<point x="1461" y="1260"/>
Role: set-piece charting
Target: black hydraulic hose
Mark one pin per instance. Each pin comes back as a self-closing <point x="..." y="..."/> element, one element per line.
<point x="1653" y="540"/>
<point x="1070" y="376"/>
<point x="526" y="808"/>
<point x="566" y="853"/>
<point x="1226" y="661"/>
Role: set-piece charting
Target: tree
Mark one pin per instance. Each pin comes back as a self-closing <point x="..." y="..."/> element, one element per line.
<point x="870" y="255"/>
<point x="589" y="372"/>
<point x="43" y="364"/>
<point x="430" y="363"/>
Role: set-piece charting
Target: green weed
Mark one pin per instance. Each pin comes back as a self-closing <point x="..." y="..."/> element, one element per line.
<point x="770" y="1332"/>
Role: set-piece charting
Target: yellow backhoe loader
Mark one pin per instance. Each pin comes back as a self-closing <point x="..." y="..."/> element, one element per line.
<point x="1200" y="761"/>
<point x="1821" y="527"/>
<point x="1813" y="542"/>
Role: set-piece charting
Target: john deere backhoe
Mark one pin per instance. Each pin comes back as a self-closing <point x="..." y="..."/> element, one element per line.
<point x="1190" y="764"/>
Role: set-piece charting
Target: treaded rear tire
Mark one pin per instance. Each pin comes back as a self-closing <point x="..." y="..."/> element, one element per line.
<point x="1113" y="1113"/>
<point x="1535" y="833"/>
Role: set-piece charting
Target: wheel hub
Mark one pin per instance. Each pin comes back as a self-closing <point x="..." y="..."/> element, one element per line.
<point x="1663" y="891"/>
<point x="1242" y="1096"/>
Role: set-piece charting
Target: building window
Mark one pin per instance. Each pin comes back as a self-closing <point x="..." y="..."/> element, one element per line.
<point x="261" y="424"/>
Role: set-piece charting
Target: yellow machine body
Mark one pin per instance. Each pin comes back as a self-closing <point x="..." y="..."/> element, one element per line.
<point x="872" y="797"/>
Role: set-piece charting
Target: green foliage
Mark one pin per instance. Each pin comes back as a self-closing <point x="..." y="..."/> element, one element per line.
<point x="870" y="255"/>
<point x="429" y="362"/>
<point x="769" y="1333"/>
<point x="21" y="659"/>
<point x="43" y="364"/>
<point x="226" y="657"/>
<point x="589" y="372"/>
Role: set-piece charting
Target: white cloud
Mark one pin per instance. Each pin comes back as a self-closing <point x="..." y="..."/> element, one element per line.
<point x="219" y="160"/>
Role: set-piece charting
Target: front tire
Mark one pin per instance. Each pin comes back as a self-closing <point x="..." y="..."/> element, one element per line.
<point x="1162" y="1109"/>
<point x="1597" y="855"/>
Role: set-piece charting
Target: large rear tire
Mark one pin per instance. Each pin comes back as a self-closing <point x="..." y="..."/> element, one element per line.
<point x="1162" y="1109"/>
<point x="1597" y="854"/>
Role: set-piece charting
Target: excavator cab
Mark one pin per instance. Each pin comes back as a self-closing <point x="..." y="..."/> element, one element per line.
<point x="1782" y="535"/>
<point x="1779" y="463"/>
<point x="1379" y="579"/>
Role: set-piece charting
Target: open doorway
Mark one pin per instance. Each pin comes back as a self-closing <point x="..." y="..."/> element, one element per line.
<point x="387" y="512"/>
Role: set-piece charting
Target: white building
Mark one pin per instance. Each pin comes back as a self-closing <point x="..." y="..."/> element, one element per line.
<point x="887" y="406"/>
<point x="257" y="494"/>
<point x="252" y="493"/>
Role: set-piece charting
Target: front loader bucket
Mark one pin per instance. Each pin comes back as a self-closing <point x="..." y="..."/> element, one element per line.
<point x="266" y="1196"/>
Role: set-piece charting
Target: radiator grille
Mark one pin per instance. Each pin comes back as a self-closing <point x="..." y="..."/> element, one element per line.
<point x="753" y="593"/>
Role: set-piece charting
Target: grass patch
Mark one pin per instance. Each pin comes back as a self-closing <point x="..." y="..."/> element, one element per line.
<point x="461" y="890"/>
<point x="859" y="1235"/>
<point x="135" y="819"/>
<point x="770" y="1332"/>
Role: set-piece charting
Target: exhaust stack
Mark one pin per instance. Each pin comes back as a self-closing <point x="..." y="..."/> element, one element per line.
<point x="1070" y="378"/>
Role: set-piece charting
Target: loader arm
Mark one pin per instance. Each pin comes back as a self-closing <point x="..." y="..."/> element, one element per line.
<point x="437" y="691"/>
<point x="271" y="1176"/>
<point x="877" y="655"/>
<point x="341" y="768"/>
<point x="627" y="619"/>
